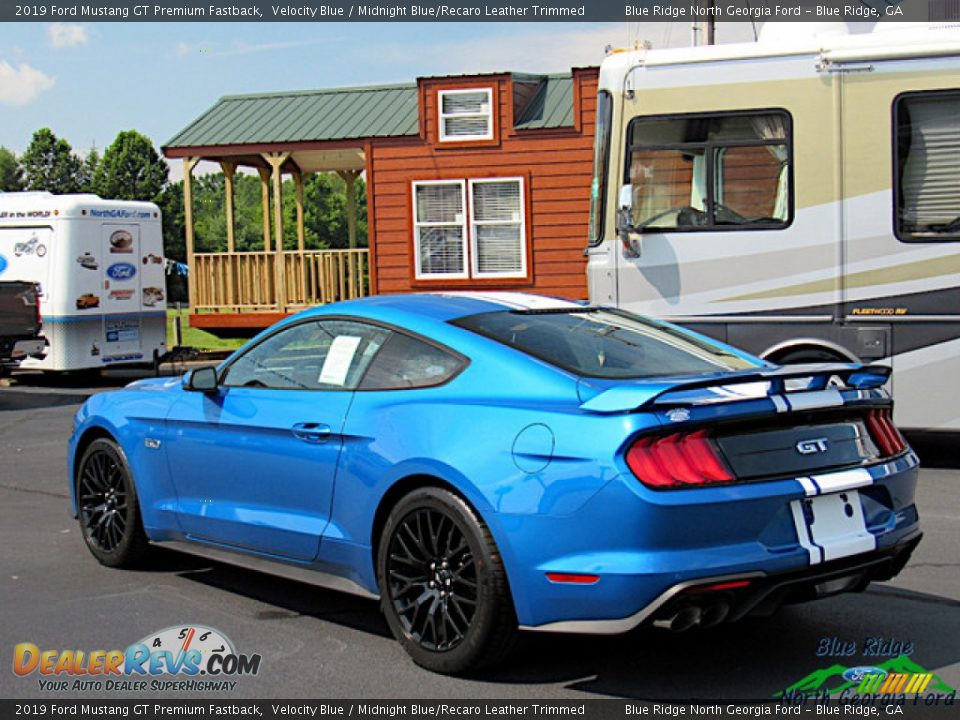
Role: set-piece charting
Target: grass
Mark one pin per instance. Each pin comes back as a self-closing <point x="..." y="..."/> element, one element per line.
<point x="199" y="339"/>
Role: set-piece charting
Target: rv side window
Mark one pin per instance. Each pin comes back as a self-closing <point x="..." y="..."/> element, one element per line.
<point x="927" y="166"/>
<point x="710" y="172"/>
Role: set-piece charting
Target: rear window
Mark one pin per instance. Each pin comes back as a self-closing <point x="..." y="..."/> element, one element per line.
<point x="604" y="343"/>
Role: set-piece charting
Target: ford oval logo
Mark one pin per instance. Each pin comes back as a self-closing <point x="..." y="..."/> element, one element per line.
<point x="121" y="271"/>
<point x="856" y="674"/>
<point x="3" y="263"/>
<point x="811" y="446"/>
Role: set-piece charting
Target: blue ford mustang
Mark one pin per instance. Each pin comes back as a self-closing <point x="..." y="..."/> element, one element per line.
<point x="488" y="462"/>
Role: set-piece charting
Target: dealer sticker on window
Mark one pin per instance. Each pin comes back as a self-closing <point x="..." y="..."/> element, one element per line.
<point x="338" y="360"/>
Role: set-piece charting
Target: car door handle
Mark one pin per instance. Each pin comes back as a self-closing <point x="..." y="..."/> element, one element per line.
<point x="311" y="432"/>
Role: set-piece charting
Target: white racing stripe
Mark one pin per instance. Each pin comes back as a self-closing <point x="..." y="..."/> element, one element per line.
<point x="843" y="480"/>
<point x="803" y="533"/>
<point x="808" y="487"/>
<point x="816" y="399"/>
<point x="516" y="300"/>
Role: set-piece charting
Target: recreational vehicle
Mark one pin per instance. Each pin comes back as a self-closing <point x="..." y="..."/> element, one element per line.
<point x="798" y="197"/>
<point x="99" y="264"/>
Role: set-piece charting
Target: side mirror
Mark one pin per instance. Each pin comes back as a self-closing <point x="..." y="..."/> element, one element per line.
<point x="202" y="379"/>
<point x="629" y="238"/>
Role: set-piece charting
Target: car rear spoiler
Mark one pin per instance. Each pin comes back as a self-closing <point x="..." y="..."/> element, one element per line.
<point x="818" y="384"/>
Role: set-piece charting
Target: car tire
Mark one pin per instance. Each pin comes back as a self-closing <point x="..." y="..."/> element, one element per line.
<point x="443" y="587"/>
<point x="108" y="508"/>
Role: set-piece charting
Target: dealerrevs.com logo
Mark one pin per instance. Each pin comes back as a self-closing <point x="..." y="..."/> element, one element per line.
<point x="177" y="658"/>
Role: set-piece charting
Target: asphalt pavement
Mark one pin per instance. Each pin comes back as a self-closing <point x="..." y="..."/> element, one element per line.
<point x="316" y="643"/>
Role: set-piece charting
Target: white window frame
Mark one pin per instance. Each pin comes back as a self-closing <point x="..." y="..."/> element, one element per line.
<point x="474" y="253"/>
<point x="417" y="225"/>
<point x="441" y="134"/>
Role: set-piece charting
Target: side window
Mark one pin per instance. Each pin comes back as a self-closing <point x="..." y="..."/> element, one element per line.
<point x="405" y="362"/>
<point x="926" y="166"/>
<point x="710" y="172"/>
<point x="316" y="355"/>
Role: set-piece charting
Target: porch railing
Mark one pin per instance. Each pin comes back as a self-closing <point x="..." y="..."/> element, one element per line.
<point x="247" y="281"/>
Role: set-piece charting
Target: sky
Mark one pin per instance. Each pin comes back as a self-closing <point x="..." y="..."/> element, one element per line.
<point x="87" y="82"/>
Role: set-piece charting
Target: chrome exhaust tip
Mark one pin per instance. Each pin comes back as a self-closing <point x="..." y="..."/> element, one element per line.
<point x="681" y="620"/>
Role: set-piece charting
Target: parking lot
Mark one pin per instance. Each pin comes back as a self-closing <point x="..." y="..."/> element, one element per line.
<point x="317" y="643"/>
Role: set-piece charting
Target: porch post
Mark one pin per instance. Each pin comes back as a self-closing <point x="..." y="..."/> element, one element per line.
<point x="350" y="178"/>
<point x="298" y="183"/>
<point x="189" y="164"/>
<point x="229" y="169"/>
<point x="276" y="161"/>
<point x="265" y="204"/>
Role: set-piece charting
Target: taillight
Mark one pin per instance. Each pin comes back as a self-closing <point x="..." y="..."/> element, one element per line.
<point x="884" y="433"/>
<point x="678" y="460"/>
<point x="36" y="297"/>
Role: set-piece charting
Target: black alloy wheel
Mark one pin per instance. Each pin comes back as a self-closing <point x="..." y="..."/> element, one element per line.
<point x="109" y="511"/>
<point x="444" y="589"/>
<point x="433" y="579"/>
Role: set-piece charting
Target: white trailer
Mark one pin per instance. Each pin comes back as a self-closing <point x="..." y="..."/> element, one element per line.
<point x="100" y="267"/>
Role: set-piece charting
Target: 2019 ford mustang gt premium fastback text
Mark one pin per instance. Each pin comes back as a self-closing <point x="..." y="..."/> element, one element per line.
<point x="484" y="463"/>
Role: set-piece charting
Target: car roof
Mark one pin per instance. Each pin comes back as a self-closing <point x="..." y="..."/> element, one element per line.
<point x="445" y="306"/>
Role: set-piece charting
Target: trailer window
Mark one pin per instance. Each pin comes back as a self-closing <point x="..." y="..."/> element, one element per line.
<point x="710" y="172"/>
<point x="927" y="166"/>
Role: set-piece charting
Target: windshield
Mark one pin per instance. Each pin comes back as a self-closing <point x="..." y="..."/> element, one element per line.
<point x="604" y="343"/>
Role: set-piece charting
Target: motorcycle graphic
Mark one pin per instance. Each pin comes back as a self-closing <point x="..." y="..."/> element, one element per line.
<point x="31" y="246"/>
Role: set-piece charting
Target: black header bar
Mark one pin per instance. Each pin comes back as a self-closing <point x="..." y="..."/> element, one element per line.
<point x="475" y="11"/>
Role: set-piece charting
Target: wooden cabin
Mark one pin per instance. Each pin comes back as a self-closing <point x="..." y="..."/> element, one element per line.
<point x="473" y="182"/>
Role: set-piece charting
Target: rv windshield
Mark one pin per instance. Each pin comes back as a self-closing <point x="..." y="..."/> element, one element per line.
<point x="604" y="343"/>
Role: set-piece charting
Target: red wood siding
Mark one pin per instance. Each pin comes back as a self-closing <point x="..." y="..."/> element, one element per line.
<point x="556" y="166"/>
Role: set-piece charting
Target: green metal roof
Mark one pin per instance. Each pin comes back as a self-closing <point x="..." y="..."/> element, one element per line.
<point x="334" y="114"/>
<point x="350" y="113"/>
<point x="551" y="106"/>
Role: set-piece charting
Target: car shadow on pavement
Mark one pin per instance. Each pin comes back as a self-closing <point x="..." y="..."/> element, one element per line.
<point x="752" y="659"/>
<point x="756" y="658"/>
<point x="288" y="598"/>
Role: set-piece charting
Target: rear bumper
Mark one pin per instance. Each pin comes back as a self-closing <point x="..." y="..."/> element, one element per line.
<point x="645" y="547"/>
<point x="759" y="595"/>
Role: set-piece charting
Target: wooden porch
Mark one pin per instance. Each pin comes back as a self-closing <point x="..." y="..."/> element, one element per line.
<point x="236" y="290"/>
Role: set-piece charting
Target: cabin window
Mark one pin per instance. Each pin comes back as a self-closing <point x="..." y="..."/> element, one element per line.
<point x="440" y="228"/>
<point x="927" y="166"/>
<point x="465" y="115"/>
<point x="497" y="228"/>
<point x="710" y="172"/>
<point x="470" y="229"/>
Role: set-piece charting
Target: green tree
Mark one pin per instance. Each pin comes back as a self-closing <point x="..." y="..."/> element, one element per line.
<point x="89" y="170"/>
<point x="324" y="212"/>
<point x="49" y="164"/>
<point x="131" y="169"/>
<point x="11" y="176"/>
<point x="170" y="202"/>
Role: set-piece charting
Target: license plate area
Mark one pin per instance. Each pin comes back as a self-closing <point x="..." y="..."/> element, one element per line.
<point x="832" y="526"/>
